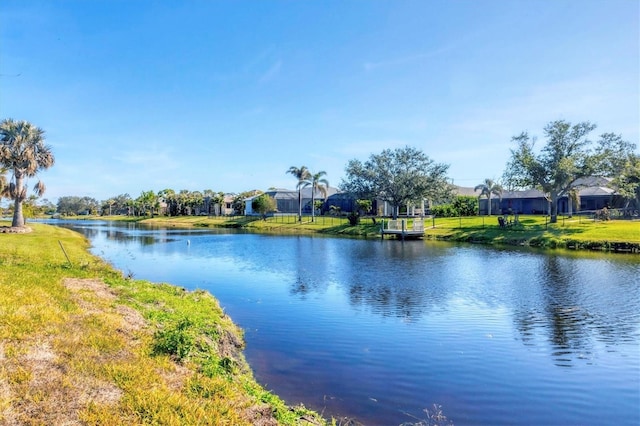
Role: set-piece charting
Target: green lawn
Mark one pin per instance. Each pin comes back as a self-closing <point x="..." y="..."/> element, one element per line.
<point x="82" y="344"/>
<point x="535" y="230"/>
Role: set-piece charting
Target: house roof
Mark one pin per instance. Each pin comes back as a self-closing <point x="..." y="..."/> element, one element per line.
<point x="465" y="191"/>
<point x="292" y="194"/>
<point x="592" y="181"/>
<point x="528" y="193"/>
<point x="535" y="193"/>
<point x="596" y="190"/>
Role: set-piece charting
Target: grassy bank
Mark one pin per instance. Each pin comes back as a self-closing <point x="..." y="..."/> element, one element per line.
<point x="81" y="343"/>
<point x="277" y="224"/>
<point x="573" y="233"/>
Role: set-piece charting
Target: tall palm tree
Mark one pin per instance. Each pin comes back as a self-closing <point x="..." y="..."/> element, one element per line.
<point x="168" y="196"/>
<point x="23" y="151"/>
<point x="317" y="183"/>
<point x="110" y="202"/>
<point x="573" y="196"/>
<point x="4" y="183"/>
<point x="487" y="188"/>
<point x="302" y="174"/>
<point x="147" y="201"/>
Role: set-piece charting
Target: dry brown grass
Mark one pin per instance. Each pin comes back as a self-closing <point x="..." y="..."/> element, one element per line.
<point x="39" y="388"/>
<point x="47" y="382"/>
<point x="57" y="380"/>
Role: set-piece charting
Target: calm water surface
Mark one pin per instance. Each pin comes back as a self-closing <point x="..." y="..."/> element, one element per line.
<point x="380" y="330"/>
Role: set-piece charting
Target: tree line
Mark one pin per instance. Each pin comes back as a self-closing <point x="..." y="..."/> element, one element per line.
<point x="399" y="177"/>
<point x="166" y="202"/>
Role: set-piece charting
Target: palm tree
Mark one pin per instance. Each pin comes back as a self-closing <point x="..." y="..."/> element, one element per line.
<point x="573" y="196"/>
<point x="317" y="183"/>
<point x="147" y="201"/>
<point x="23" y="151"/>
<point x="110" y="202"/>
<point x="218" y="203"/>
<point x="168" y="196"/>
<point x="4" y="184"/>
<point x="302" y="174"/>
<point x="487" y="188"/>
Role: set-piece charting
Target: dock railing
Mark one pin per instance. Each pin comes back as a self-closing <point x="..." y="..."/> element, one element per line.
<point x="400" y="227"/>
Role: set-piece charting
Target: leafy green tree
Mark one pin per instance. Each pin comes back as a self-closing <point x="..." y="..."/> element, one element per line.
<point x="183" y="199"/>
<point x="90" y="205"/>
<point x="168" y="196"/>
<point x="68" y="205"/>
<point x="196" y="200"/>
<point x="317" y="183"/>
<point x="627" y="183"/>
<point x="132" y="207"/>
<point x="121" y="203"/>
<point x="400" y="176"/>
<point x="218" y="203"/>
<point x="317" y="205"/>
<point x="488" y="188"/>
<point x="465" y="205"/>
<point x="147" y="201"/>
<point x="239" y="202"/>
<point x="23" y="151"/>
<point x="620" y="162"/>
<point x="302" y="174"/>
<point x="566" y="157"/>
<point x="4" y="184"/>
<point x="263" y="204"/>
<point x="107" y="206"/>
<point x="364" y="206"/>
<point x="45" y="207"/>
<point x="73" y="205"/>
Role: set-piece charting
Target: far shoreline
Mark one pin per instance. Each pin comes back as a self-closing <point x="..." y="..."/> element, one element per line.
<point x="616" y="236"/>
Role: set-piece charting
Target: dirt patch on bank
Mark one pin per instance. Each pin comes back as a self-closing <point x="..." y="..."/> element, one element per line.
<point x="40" y="382"/>
<point x="15" y="229"/>
<point x="56" y="377"/>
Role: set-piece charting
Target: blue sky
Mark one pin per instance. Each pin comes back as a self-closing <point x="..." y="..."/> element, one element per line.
<point x="227" y="95"/>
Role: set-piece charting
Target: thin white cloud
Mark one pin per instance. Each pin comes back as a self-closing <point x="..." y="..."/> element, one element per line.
<point x="272" y="72"/>
<point x="371" y="66"/>
<point x="266" y="65"/>
<point x="256" y="62"/>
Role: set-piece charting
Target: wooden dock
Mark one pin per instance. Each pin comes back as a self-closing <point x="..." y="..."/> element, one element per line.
<point x="400" y="228"/>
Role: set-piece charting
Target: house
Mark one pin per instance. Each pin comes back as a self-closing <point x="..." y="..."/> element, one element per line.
<point x="594" y="193"/>
<point x="211" y="206"/>
<point x="380" y="207"/>
<point x="287" y="200"/>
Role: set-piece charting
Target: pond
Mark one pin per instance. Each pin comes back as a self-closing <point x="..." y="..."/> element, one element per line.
<point x="379" y="331"/>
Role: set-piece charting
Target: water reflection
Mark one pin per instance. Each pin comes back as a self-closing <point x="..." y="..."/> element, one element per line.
<point x="413" y="323"/>
<point x="125" y="232"/>
<point x="578" y="308"/>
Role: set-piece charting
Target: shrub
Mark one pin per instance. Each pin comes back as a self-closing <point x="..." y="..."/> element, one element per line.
<point x="176" y="340"/>
<point x="466" y="205"/>
<point x="443" y="210"/>
<point x="461" y="206"/>
<point x="354" y="218"/>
